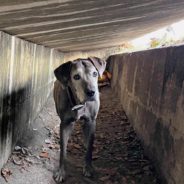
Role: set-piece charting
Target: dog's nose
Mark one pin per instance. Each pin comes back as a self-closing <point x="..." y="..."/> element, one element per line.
<point x="90" y="93"/>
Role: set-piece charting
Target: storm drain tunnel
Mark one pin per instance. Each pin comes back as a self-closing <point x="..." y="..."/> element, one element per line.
<point x="139" y="137"/>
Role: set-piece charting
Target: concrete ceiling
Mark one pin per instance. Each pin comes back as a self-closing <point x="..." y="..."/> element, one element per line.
<point x="78" y="25"/>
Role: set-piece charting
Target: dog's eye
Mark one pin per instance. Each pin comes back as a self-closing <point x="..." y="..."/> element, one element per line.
<point x="76" y="77"/>
<point x="95" y="74"/>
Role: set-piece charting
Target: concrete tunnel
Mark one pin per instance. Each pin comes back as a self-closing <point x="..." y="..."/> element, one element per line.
<point x="37" y="36"/>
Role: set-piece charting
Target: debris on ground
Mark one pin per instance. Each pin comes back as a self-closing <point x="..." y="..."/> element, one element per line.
<point x="118" y="155"/>
<point x="5" y="172"/>
<point x="105" y="79"/>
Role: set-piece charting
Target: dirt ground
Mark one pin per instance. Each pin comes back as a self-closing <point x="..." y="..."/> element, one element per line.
<point x="118" y="155"/>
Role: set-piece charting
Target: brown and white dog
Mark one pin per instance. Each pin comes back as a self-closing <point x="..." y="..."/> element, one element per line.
<point x="76" y="96"/>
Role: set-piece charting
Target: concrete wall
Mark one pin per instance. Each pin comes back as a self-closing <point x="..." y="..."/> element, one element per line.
<point x="151" y="88"/>
<point x="26" y="79"/>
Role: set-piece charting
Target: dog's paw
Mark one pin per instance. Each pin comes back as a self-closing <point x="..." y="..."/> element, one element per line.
<point x="60" y="176"/>
<point x="88" y="171"/>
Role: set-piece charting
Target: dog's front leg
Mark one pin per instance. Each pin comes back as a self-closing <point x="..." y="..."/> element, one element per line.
<point x="89" y="134"/>
<point x="65" y="132"/>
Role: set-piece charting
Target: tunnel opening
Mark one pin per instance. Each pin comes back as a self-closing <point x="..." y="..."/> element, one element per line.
<point x="143" y="145"/>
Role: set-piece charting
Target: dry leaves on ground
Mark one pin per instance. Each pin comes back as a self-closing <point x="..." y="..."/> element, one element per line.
<point x="44" y="154"/>
<point x="6" y="173"/>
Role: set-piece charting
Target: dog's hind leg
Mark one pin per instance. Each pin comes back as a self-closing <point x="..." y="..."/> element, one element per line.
<point x="65" y="132"/>
<point x="89" y="135"/>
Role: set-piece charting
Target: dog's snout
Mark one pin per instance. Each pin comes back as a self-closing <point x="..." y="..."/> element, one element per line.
<point x="90" y="93"/>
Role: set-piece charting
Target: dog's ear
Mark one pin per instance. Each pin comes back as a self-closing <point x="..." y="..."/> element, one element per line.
<point x="62" y="73"/>
<point x="99" y="64"/>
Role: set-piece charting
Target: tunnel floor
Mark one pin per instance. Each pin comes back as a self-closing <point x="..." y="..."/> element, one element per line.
<point x="118" y="154"/>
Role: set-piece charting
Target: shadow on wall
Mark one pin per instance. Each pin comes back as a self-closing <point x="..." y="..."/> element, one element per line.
<point x="15" y="113"/>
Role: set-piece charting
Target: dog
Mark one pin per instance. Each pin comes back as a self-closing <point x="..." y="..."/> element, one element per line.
<point x="76" y="97"/>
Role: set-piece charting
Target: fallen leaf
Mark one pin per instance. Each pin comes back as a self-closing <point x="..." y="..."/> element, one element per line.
<point x="95" y="157"/>
<point x="77" y="146"/>
<point x="57" y="146"/>
<point x="104" y="178"/>
<point x="17" y="148"/>
<point x="24" y="151"/>
<point x="5" y="172"/>
<point x="17" y="161"/>
<point x="44" y="154"/>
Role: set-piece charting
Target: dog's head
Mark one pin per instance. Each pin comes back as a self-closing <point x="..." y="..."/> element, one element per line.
<point x="81" y="76"/>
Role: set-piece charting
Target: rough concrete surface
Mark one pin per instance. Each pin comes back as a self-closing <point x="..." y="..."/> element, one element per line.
<point x="150" y="86"/>
<point x="118" y="155"/>
<point x="26" y="80"/>
<point x="76" y="25"/>
<point x="38" y="171"/>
